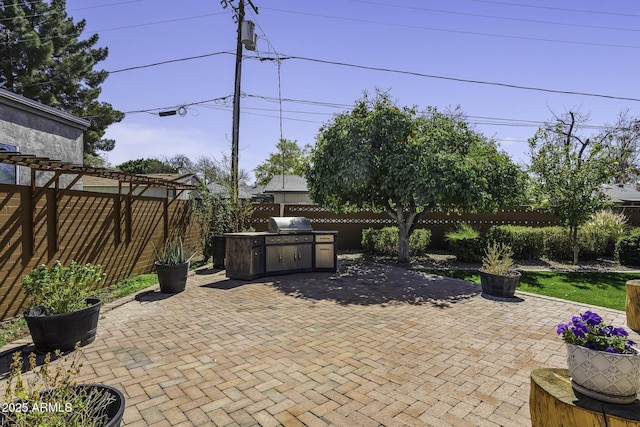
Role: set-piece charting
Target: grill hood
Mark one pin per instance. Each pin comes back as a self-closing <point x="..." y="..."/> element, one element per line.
<point x="289" y="225"/>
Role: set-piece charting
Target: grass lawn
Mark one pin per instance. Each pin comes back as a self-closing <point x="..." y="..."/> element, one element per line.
<point x="601" y="289"/>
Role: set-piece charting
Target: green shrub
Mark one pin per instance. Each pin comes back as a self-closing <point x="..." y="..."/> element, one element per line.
<point x="61" y="289"/>
<point x="557" y="244"/>
<point x="628" y="248"/>
<point x="525" y="242"/>
<point x="600" y="234"/>
<point x="419" y="241"/>
<point x="174" y="252"/>
<point x="498" y="259"/>
<point x="384" y="241"/>
<point x="465" y="243"/>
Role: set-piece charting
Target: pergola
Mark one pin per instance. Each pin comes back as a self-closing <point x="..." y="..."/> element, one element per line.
<point x="59" y="168"/>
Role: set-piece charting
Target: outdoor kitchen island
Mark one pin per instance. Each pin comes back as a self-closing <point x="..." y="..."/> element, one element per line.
<point x="290" y="246"/>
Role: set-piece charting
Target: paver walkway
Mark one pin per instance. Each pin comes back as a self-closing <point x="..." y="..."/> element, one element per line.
<point x="368" y="346"/>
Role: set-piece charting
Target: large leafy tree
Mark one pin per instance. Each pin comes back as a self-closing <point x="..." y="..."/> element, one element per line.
<point x="622" y="140"/>
<point x="387" y="158"/>
<point x="291" y="159"/>
<point x="45" y="59"/>
<point x="145" y="166"/>
<point x="568" y="170"/>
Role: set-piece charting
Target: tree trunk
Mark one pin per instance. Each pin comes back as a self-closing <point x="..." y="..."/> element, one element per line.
<point x="575" y="246"/>
<point x="633" y="305"/>
<point x="403" y="242"/>
<point x="405" y="221"/>
<point x="553" y="403"/>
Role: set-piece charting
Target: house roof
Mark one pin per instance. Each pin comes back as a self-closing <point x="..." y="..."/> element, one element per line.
<point x="22" y="103"/>
<point x="244" y="191"/>
<point x="286" y="184"/>
<point x="621" y="193"/>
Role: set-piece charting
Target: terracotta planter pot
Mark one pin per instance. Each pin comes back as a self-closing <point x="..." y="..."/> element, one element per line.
<point x="172" y="277"/>
<point x="63" y="331"/>
<point x="498" y="285"/>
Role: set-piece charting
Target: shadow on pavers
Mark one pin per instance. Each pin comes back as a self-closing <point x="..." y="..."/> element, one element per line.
<point x="151" y="296"/>
<point x="371" y="284"/>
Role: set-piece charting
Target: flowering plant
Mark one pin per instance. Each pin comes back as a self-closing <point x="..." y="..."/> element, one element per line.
<point x="588" y="330"/>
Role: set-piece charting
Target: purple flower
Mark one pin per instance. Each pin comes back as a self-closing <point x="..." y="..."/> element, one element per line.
<point x="591" y="318"/>
<point x="619" y="332"/>
<point x="580" y="329"/>
<point x="589" y="331"/>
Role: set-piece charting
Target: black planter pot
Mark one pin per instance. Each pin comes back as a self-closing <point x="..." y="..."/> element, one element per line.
<point x="63" y="331"/>
<point x="114" y="412"/>
<point x="498" y="285"/>
<point x="219" y="249"/>
<point x="172" y="277"/>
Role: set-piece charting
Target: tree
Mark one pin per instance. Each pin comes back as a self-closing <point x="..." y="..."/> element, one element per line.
<point x="385" y="158"/>
<point x="44" y="59"/>
<point x="622" y="140"/>
<point x="180" y="162"/>
<point x="146" y="166"/>
<point x="568" y="172"/>
<point x="289" y="160"/>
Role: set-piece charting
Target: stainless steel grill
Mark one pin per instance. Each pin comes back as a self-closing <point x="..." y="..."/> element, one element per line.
<point x="289" y="225"/>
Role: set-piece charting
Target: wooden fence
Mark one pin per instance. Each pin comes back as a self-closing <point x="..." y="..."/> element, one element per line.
<point x="350" y="226"/>
<point x="118" y="232"/>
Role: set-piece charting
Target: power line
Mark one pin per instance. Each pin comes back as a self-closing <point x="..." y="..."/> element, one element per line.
<point x="558" y="8"/>
<point x="473" y="33"/>
<point x="482" y="82"/>
<point x="477" y="15"/>
<point x="170" y="61"/>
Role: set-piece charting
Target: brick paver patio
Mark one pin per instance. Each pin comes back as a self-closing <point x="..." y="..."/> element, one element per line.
<point x="368" y="346"/>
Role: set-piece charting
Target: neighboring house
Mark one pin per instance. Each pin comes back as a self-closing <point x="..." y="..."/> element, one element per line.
<point x="105" y="185"/>
<point x="32" y="128"/>
<point x="625" y="194"/>
<point x="245" y="192"/>
<point x="288" y="189"/>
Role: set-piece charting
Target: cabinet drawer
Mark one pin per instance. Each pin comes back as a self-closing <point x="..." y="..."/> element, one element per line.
<point x="325" y="238"/>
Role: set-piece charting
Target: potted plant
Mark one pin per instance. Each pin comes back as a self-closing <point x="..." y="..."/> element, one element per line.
<point x="603" y="362"/>
<point x="498" y="276"/>
<point x="172" y="265"/>
<point x="48" y="396"/>
<point x="61" y="312"/>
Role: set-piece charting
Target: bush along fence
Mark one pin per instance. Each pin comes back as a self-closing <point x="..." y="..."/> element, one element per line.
<point x="350" y="226"/>
<point x="531" y="232"/>
<point x="116" y="231"/>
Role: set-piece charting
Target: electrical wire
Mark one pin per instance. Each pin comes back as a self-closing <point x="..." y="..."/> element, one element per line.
<point x="477" y="15"/>
<point x="170" y="61"/>
<point x="558" y="8"/>
<point x="456" y="79"/>
<point x="473" y="33"/>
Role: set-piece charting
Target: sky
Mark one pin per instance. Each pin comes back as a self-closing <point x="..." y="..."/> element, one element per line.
<point x="510" y="65"/>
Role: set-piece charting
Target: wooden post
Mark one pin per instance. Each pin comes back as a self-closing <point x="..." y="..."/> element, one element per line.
<point x="632" y="306"/>
<point x="553" y="403"/>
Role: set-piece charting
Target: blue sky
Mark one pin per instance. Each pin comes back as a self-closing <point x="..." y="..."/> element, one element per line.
<point x="430" y="52"/>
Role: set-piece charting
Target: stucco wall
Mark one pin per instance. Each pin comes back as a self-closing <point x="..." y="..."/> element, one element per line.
<point x="41" y="131"/>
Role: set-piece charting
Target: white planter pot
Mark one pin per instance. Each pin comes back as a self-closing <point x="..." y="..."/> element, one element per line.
<point x="610" y="377"/>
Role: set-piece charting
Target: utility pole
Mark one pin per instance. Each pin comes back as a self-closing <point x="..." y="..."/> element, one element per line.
<point x="235" y="130"/>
